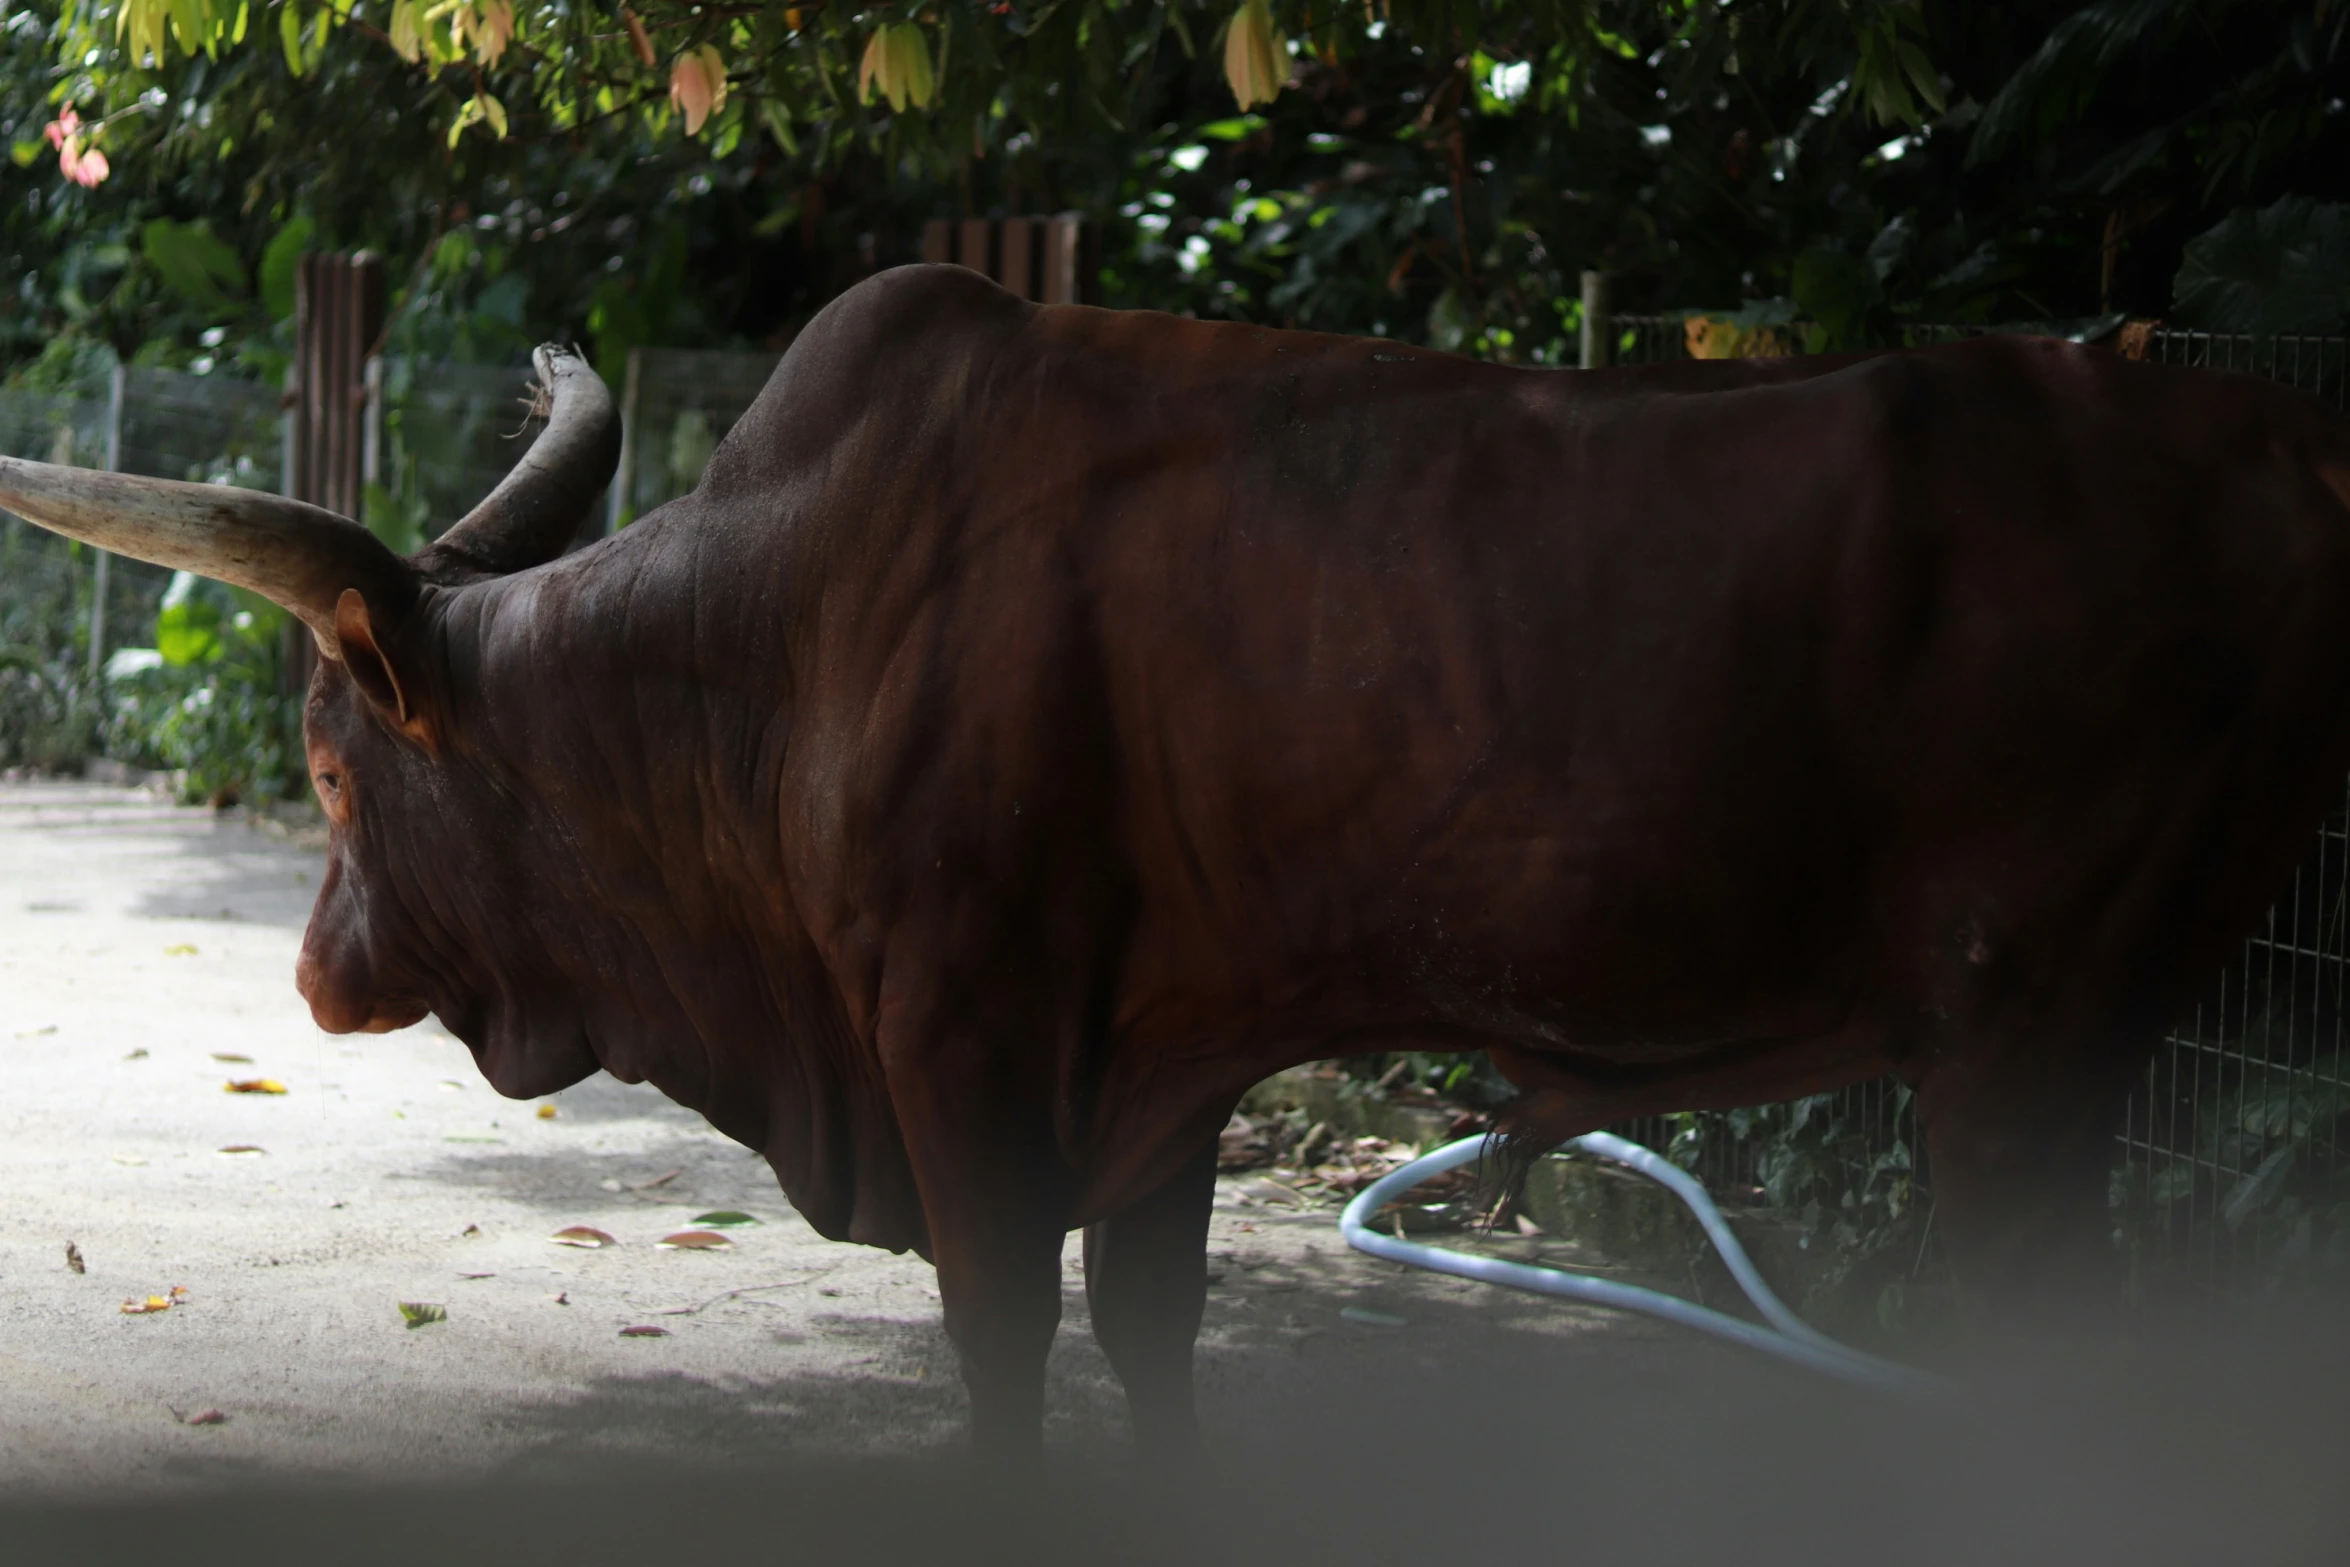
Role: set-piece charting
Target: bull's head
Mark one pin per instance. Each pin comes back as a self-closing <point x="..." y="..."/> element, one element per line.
<point x="373" y="959"/>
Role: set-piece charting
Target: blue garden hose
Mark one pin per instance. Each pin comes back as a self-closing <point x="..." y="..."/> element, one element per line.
<point x="1788" y="1337"/>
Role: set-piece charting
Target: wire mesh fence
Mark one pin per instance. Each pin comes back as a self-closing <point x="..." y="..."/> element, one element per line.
<point x="438" y="438"/>
<point x="2229" y="1173"/>
<point x="677" y="406"/>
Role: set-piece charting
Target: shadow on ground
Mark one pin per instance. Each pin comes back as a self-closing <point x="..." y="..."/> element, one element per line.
<point x="2164" y="1454"/>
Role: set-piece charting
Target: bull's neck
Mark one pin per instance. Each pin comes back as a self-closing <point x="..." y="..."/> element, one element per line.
<point x="630" y="729"/>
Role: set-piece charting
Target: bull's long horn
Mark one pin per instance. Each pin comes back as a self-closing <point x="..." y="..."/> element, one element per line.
<point x="536" y="509"/>
<point x="288" y="551"/>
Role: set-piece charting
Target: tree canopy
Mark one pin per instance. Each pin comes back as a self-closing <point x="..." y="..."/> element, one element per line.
<point x="1433" y="169"/>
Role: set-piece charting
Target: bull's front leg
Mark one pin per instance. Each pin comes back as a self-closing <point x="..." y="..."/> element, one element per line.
<point x="996" y="1198"/>
<point x="1146" y="1283"/>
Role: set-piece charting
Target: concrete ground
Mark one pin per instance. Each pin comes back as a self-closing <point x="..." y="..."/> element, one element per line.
<point x="146" y="959"/>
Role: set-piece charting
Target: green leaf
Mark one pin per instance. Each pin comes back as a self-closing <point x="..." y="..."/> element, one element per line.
<point x="289" y="34"/>
<point x="416" y="1313"/>
<point x="194" y="263"/>
<point x="722" y="1219"/>
<point x="1234" y="129"/>
<point x="777" y="119"/>
<point x="278" y="262"/>
<point x="187" y="628"/>
<point x="2283" y="268"/>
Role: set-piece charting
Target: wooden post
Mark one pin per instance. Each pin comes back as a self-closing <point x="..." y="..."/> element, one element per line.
<point x="1595" y="321"/>
<point x="338" y="314"/>
<point x="1050" y="260"/>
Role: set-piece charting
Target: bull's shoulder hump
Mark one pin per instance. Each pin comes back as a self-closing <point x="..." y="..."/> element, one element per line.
<point x="925" y="307"/>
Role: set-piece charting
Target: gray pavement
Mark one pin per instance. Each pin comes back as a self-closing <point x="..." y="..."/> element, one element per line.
<point x="140" y="943"/>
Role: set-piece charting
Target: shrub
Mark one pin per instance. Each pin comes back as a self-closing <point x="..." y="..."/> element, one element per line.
<point x="209" y="698"/>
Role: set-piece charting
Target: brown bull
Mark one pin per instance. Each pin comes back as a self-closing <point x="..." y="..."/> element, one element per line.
<point x="1041" y="724"/>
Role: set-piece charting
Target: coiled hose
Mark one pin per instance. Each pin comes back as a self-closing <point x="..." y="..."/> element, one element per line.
<point x="1788" y="1336"/>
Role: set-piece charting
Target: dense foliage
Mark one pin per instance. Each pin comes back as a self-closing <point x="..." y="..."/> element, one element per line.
<point x="1435" y="169"/>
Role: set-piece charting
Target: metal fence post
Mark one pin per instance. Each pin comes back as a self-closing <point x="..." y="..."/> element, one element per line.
<point x="617" y="501"/>
<point x="371" y="431"/>
<point x="1595" y="321"/>
<point x="114" y="399"/>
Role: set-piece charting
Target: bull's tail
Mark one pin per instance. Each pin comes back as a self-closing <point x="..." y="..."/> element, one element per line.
<point x="1508" y="1157"/>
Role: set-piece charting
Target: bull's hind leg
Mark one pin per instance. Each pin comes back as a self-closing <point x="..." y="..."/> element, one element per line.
<point x="2021" y="1137"/>
<point x="1146" y="1281"/>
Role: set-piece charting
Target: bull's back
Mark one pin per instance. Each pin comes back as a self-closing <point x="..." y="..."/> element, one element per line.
<point x="1609" y="712"/>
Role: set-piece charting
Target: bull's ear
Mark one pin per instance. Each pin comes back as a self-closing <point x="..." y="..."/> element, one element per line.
<point x="372" y="668"/>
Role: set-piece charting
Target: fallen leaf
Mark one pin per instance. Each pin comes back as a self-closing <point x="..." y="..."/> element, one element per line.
<point x="36" y="1033"/>
<point x="583" y="1236"/>
<point x="466" y="1137"/>
<point x="416" y="1313"/>
<point x="73" y="1258"/>
<point x="137" y="1307"/>
<point x="694" y="1240"/>
<point x="470" y="1229"/>
<point x="1365" y="1317"/>
<point x="477" y="1275"/>
<point x="244" y="1148"/>
<point x="180" y="950"/>
<point x="202" y="1417"/>
<point x="179" y="1294"/>
<point x="563" y="1298"/>
<point x="722" y="1219"/>
<point x="253" y="1085"/>
<point x="231" y="1055"/>
<point x="546" y="1112"/>
<point x="128" y="1158"/>
<point x="139" y="1054"/>
<point x="452" y="1085"/>
<point x="658" y="1180"/>
<point x="644" y="1330"/>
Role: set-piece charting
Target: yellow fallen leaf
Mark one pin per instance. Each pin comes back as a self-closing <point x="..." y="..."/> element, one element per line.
<point x="546" y="1112"/>
<point x="581" y="1235"/>
<point x="694" y="1240"/>
<point x="253" y="1085"/>
<point x="181" y="950"/>
<point x="136" y="1307"/>
<point x="231" y="1055"/>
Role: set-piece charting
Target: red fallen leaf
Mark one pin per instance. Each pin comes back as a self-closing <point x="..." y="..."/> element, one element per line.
<point x="694" y="1240"/>
<point x="583" y="1236"/>
<point x="202" y="1417"/>
<point x="644" y="1330"/>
